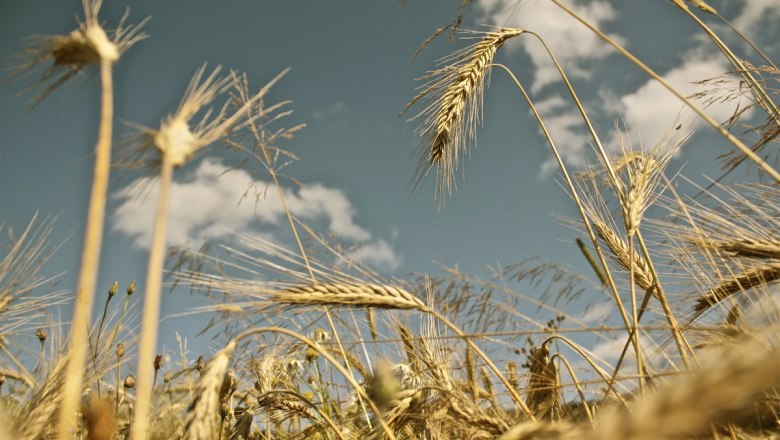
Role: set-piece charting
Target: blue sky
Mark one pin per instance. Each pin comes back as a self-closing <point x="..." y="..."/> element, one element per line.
<point x="351" y="76"/>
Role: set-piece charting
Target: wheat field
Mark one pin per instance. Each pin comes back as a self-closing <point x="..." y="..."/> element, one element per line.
<point x="309" y="343"/>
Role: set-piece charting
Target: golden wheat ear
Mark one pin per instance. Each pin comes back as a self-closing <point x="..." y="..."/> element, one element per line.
<point x="453" y="100"/>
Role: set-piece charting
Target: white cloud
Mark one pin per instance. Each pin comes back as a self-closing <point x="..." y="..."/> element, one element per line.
<point x="609" y="351"/>
<point x="565" y="125"/>
<point x="651" y="110"/>
<point x="599" y="312"/>
<point x="378" y="253"/>
<point x="755" y="11"/>
<point x="208" y="203"/>
<point x="572" y="43"/>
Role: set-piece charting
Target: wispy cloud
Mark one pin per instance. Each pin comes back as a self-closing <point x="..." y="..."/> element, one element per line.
<point x="599" y="312"/>
<point x="574" y="45"/>
<point x="208" y="203"/>
<point x="333" y="117"/>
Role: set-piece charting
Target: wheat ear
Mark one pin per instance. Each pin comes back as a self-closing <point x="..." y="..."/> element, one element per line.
<point x="624" y="258"/>
<point x="202" y="413"/>
<point x="753" y="277"/>
<point x="456" y="93"/>
<point x="349" y="294"/>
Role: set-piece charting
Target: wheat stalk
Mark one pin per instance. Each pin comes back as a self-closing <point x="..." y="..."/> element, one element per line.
<point x="456" y="91"/>
<point x="742" y="247"/>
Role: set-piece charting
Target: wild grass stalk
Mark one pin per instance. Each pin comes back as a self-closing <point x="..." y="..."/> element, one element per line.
<point x="177" y="142"/>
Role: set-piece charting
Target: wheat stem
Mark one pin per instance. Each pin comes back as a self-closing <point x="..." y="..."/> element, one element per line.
<point x="311" y="405"/>
<point x="151" y="312"/>
<point x="574" y="195"/>
<point x="574" y="346"/>
<point x="288" y="214"/>
<point x="711" y="122"/>
<point x="762" y="98"/>
<point x="90" y="260"/>
<point x="577" y="385"/>
<point x="485" y="358"/>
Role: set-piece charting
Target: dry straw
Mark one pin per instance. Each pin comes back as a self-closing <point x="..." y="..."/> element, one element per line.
<point x="89" y="45"/>
<point x="731" y="382"/>
<point x="453" y="104"/>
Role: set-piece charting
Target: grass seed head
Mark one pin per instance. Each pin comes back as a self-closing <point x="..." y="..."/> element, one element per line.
<point x="113" y="289"/>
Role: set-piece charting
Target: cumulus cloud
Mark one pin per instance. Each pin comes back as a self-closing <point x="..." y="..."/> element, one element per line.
<point x="377" y="253"/>
<point x="599" y="312"/>
<point x="206" y="204"/>
<point x="564" y="123"/>
<point x="755" y="11"/>
<point x="573" y="44"/>
<point x="650" y="110"/>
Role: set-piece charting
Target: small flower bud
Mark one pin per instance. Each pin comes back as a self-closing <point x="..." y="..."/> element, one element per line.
<point x="129" y="381"/>
<point x="113" y="289"/>
<point x="120" y="349"/>
<point x="131" y="288"/>
<point x="200" y="363"/>
<point x="157" y="362"/>
<point x="311" y="354"/>
<point x="41" y="333"/>
<point x="321" y="336"/>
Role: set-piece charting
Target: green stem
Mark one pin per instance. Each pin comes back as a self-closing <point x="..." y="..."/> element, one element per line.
<point x="119" y="323"/>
